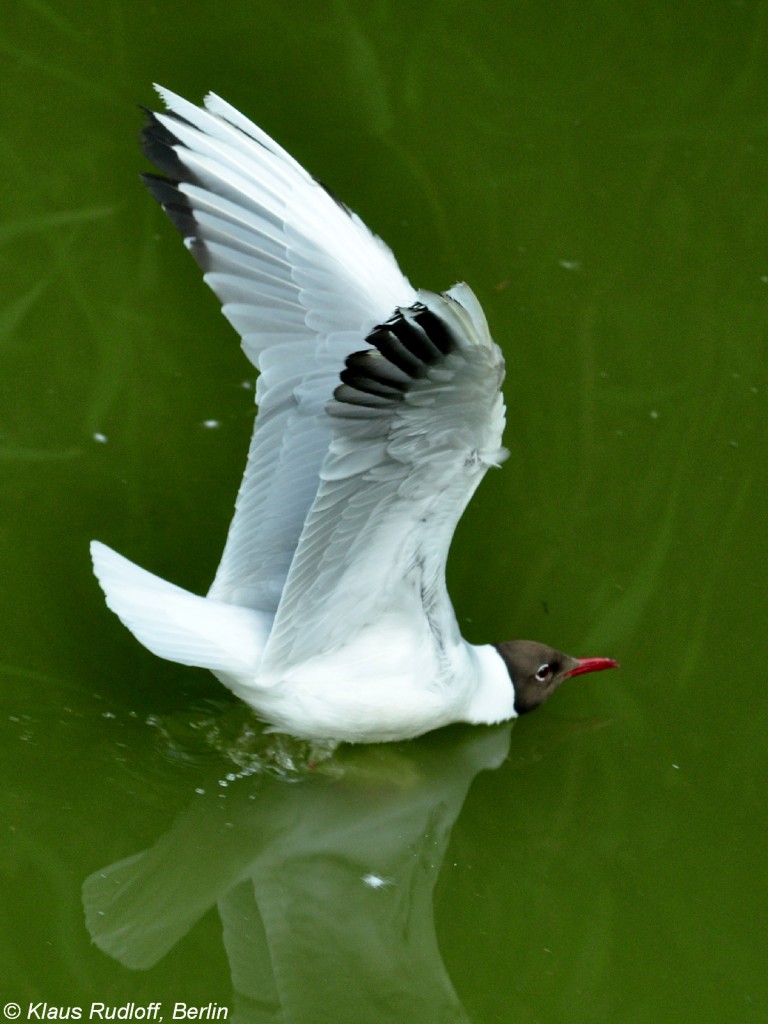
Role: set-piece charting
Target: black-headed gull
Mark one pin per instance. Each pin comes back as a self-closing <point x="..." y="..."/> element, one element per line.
<point x="379" y="412"/>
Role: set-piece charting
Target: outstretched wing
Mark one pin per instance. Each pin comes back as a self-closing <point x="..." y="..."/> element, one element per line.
<point x="417" y="421"/>
<point x="302" y="280"/>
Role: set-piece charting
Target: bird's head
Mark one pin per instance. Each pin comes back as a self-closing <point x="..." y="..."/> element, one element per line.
<point x="536" y="670"/>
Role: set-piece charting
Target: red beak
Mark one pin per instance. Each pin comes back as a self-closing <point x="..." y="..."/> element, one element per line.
<point x="591" y="665"/>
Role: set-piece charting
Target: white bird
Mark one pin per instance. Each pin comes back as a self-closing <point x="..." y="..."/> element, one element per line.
<point x="379" y="412"/>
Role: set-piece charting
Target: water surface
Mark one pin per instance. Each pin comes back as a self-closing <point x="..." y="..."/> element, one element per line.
<point x="599" y="177"/>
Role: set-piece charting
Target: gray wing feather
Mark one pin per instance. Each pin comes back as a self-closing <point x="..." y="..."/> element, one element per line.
<point x="302" y="280"/>
<point x="417" y="421"/>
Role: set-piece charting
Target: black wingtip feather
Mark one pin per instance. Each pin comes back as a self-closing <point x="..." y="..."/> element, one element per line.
<point x="435" y="329"/>
<point x="164" y="190"/>
<point x="173" y="201"/>
<point x="367" y="372"/>
<point x="157" y="143"/>
<point x="421" y="333"/>
<point x="373" y="364"/>
<point x="393" y="349"/>
<point x="370" y="385"/>
<point x="404" y="348"/>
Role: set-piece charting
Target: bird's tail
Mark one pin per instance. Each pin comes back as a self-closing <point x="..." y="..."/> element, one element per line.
<point x="177" y="625"/>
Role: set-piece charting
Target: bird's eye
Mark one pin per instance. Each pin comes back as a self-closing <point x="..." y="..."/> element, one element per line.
<point x="543" y="673"/>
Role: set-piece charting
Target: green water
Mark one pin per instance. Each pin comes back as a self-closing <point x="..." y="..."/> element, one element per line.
<point x="599" y="174"/>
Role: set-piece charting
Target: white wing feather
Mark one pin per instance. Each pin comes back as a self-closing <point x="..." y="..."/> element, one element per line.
<point x="302" y="280"/>
<point x="400" y="470"/>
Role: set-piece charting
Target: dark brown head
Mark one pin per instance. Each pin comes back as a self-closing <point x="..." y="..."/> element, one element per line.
<point x="536" y="670"/>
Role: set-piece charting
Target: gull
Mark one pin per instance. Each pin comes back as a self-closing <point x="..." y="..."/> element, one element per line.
<point x="379" y="412"/>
